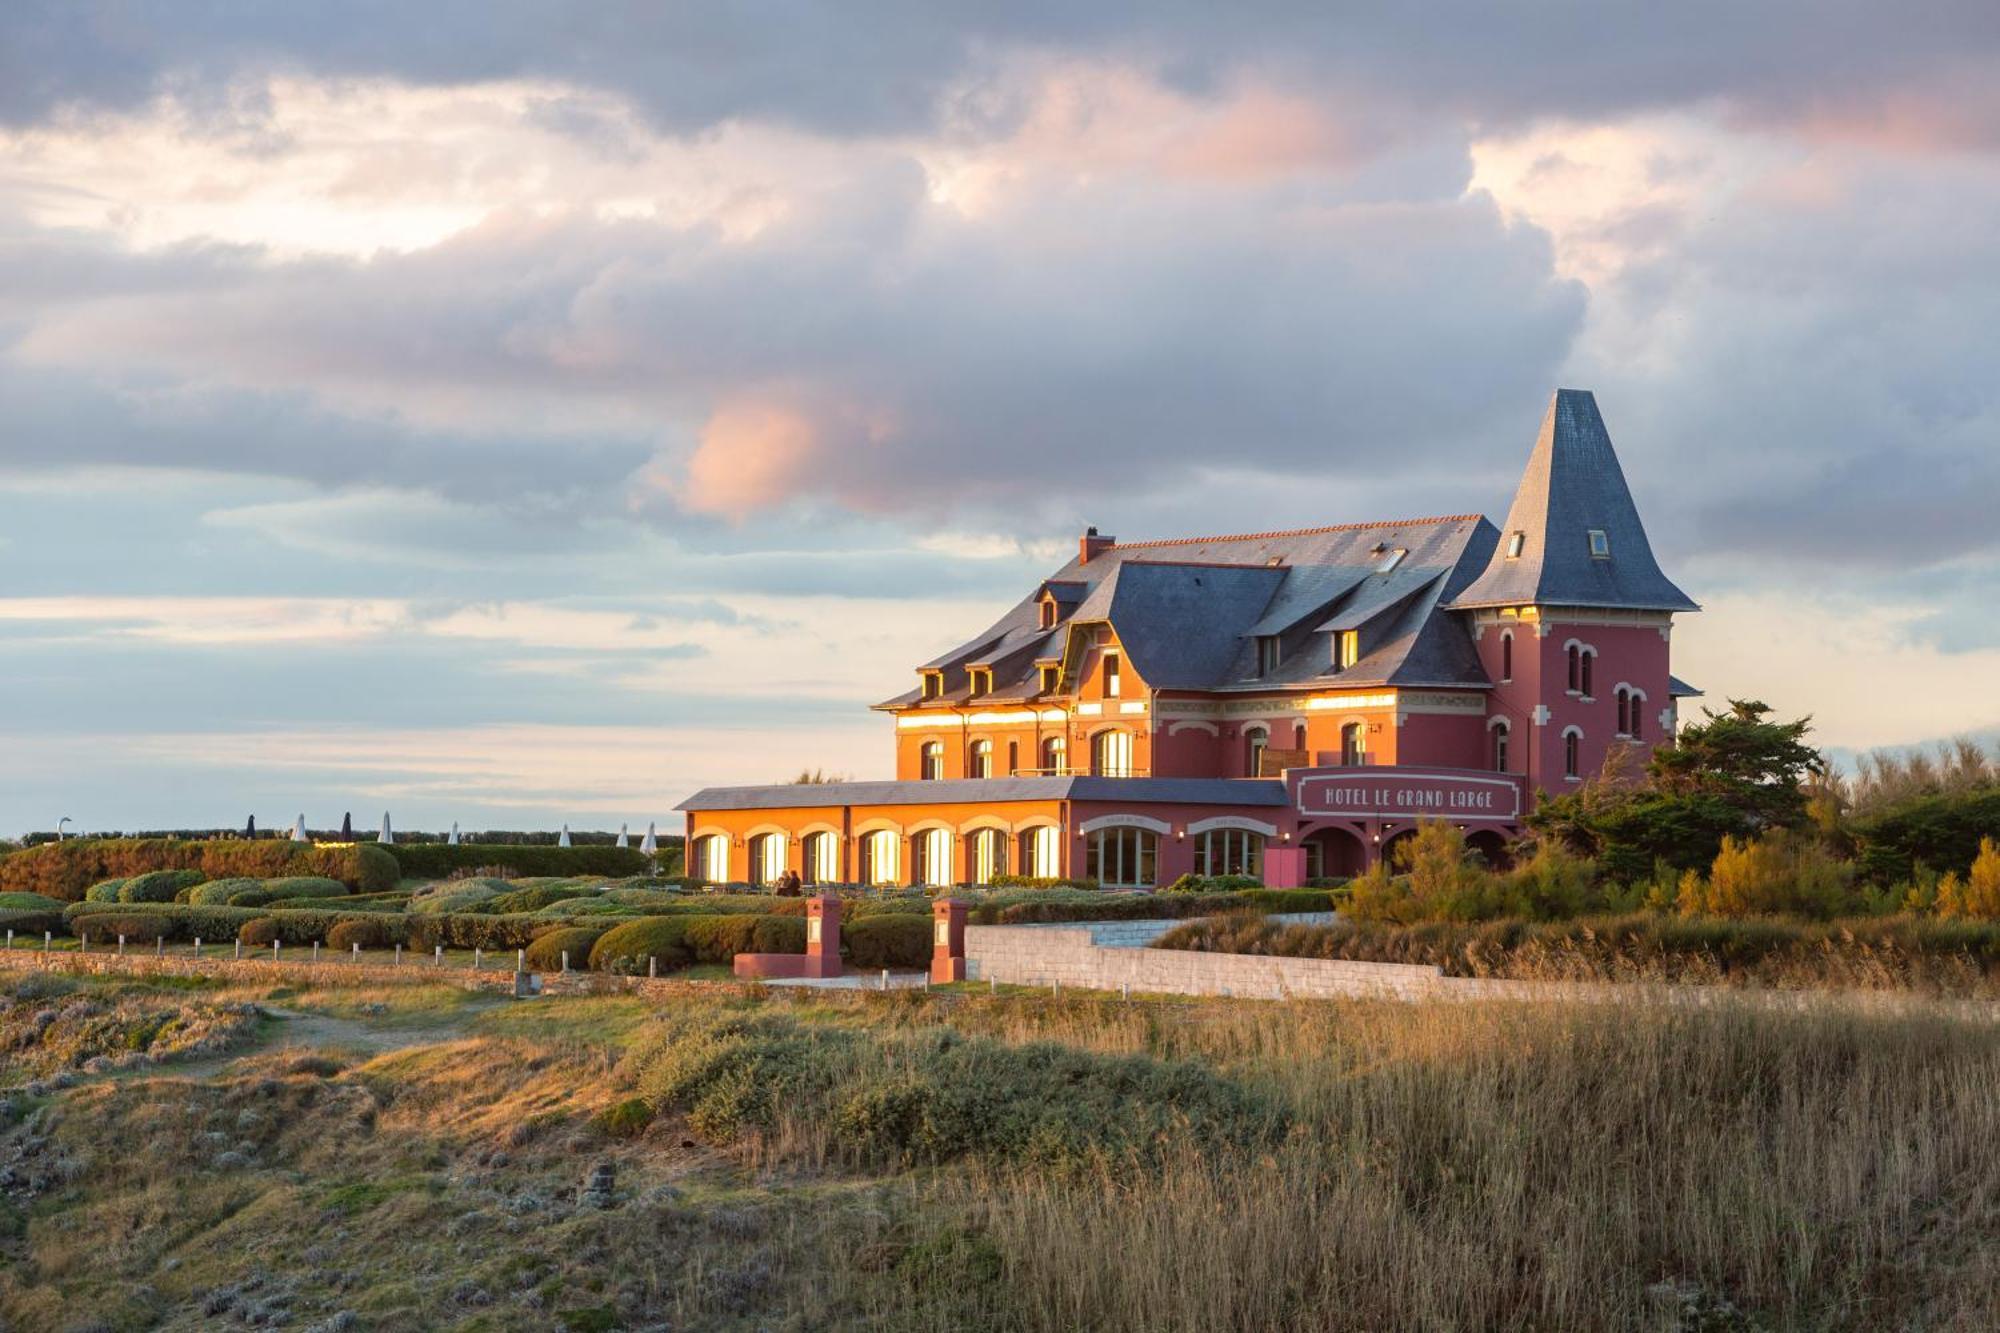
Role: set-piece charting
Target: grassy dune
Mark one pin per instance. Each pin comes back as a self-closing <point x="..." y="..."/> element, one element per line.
<point x="405" y="1158"/>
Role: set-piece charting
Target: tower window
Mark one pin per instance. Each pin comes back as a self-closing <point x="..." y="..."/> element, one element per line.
<point x="1600" y="544"/>
<point x="1507" y="655"/>
<point x="1515" y="541"/>
<point x="1500" y="748"/>
<point x="1111" y="681"/>
<point x="1575" y="669"/>
<point x="1587" y="659"/>
<point x="1572" y="752"/>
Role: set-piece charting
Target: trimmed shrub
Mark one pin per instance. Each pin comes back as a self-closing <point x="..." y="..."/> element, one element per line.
<point x="545" y="954"/>
<point x="1213" y="884"/>
<point x="466" y="895"/>
<point x="29" y="902"/>
<point x="184" y="921"/>
<point x="136" y="927"/>
<point x="31" y="921"/>
<point x="295" y="887"/>
<point x="625" y="948"/>
<point x="534" y="898"/>
<point x="473" y="931"/>
<point x="1144" y="906"/>
<point x="435" y="860"/>
<point x="217" y="892"/>
<point x="901" y="940"/>
<point x="66" y="870"/>
<point x="159" y="886"/>
<point x="261" y="930"/>
<point x="104" y="891"/>
<point x="368" y="932"/>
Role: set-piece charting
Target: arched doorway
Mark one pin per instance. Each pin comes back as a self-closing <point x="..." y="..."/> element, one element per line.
<point x="1491" y="845"/>
<point x="1334" y="853"/>
<point x="1395" y="847"/>
<point x="768" y="855"/>
<point x="986" y="854"/>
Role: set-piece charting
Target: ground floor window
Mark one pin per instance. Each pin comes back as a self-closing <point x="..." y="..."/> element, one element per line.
<point x="822" y="858"/>
<point x="767" y="858"/>
<point x="930" y="858"/>
<point x="1123" y="857"/>
<point x="711" y="858"/>
<point x="880" y="863"/>
<point x="987" y="854"/>
<point x="1229" y="851"/>
<point x="1041" y="853"/>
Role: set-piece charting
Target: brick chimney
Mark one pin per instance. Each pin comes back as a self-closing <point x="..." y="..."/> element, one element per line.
<point x="1093" y="546"/>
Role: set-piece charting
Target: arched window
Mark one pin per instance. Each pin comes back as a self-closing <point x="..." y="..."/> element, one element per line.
<point x="1121" y="857"/>
<point x="1111" y="754"/>
<point x="1576" y="668"/>
<point x="1500" y="739"/>
<point x="879" y="859"/>
<point x="1634" y="727"/>
<point x="821" y="858"/>
<point x="1257" y="740"/>
<point x="1354" y="743"/>
<point x="1298" y="735"/>
<point x="932" y="761"/>
<point x="767" y="858"/>
<point x="986" y="854"/>
<point x="1589" y="661"/>
<point x="711" y="858"/>
<point x="1055" y="757"/>
<point x="1619" y="695"/>
<point x="930" y="858"/>
<point x="1572" y="752"/>
<point x="981" y="760"/>
<point x="1506" y="655"/>
<point x="1111" y="676"/>
<point x="1041" y="853"/>
<point x="1229" y="851"/>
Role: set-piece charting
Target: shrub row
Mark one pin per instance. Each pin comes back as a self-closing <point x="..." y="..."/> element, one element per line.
<point x="436" y="860"/>
<point x="1148" y="906"/>
<point x="66" y="870"/>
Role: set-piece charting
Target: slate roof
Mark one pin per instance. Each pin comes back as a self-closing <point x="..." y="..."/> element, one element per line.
<point x="986" y="791"/>
<point x="1188" y="611"/>
<point x="1573" y="484"/>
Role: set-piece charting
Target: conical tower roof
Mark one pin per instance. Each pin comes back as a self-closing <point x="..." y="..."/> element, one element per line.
<point x="1573" y="536"/>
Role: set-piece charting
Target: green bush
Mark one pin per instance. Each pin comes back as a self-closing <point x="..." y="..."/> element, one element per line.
<point x="627" y="1119"/>
<point x="472" y="930"/>
<point x="298" y="887"/>
<point x="159" y="886"/>
<point x="66" y="870"/>
<point x="627" y="948"/>
<point x="533" y="898"/>
<point x="902" y="940"/>
<point x="29" y="902"/>
<point x="217" y="892"/>
<point x="1214" y="884"/>
<point x="30" y="921"/>
<point x="104" y="891"/>
<point x="462" y="895"/>
<point x="1032" y="882"/>
<point x="368" y="932"/>
<point x="136" y="927"/>
<point x="545" y="954"/>
<point x="1146" y="906"/>
<point x="435" y="860"/>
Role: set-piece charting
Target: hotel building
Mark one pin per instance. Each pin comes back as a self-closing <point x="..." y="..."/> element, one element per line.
<point x="1279" y="704"/>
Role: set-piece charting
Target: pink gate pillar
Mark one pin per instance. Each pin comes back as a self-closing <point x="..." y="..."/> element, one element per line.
<point x="821" y="958"/>
<point x="1284" y="867"/>
<point x="948" y="940"/>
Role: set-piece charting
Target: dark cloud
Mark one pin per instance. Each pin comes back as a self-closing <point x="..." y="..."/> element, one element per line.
<point x="1842" y="65"/>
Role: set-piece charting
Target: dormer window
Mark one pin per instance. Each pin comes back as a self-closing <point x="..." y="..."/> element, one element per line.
<point x="1049" y="677"/>
<point x="1268" y="654"/>
<point x="1515" y="541"/>
<point x="1346" y="649"/>
<point x="980" y="679"/>
<point x="1600" y="544"/>
<point x="1391" y="560"/>
<point x="1048" y="613"/>
<point x="933" y="684"/>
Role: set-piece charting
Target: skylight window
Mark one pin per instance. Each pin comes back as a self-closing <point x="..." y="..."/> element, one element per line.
<point x="1600" y="544"/>
<point x="1515" y="541"/>
<point x="1391" y="560"/>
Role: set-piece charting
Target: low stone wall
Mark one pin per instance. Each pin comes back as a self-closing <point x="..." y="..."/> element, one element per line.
<point x="1112" y="955"/>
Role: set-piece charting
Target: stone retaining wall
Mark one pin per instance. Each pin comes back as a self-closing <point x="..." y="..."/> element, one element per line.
<point x="1112" y="955"/>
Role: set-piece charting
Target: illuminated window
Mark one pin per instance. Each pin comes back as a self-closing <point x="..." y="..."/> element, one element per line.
<point x="1048" y="613"/>
<point x="1391" y="560"/>
<point x="1111" y="754"/>
<point x="879" y="857"/>
<point x="1055" y="757"/>
<point x="767" y="858"/>
<point x="987" y="854"/>
<point x="1346" y="649"/>
<point x="822" y="858"/>
<point x="982" y="759"/>
<point x="930" y="858"/>
<point x="1041" y="853"/>
<point x="1515" y="541"/>
<point x="1111" y="681"/>
<point x="1354" y="743"/>
<point x="711" y="858"/>
<point x="931" y="761"/>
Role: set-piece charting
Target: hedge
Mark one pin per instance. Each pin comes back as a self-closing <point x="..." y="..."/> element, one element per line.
<point x="1146" y="906"/>
<point x="28" y="902"/>
<point x="221" y="892"/>
<point x="159" y="886"/>
<point x="30" y="921"/>
<point x="436" y="860"/>
<point x="136" y="927"/>
<point x="66" y="870"/>
<point x="887" y="940"/>
<point x="369" y="933"/>
<point x="546" y="953"/>
<point x="632" y="947"/>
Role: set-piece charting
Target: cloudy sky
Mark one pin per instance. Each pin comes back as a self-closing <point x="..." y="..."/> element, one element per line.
<point x="521" y="413"/>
